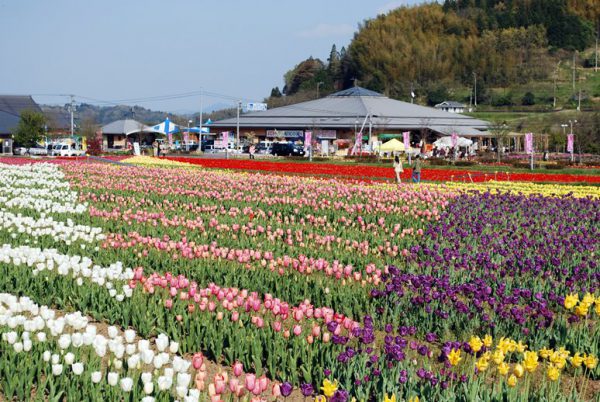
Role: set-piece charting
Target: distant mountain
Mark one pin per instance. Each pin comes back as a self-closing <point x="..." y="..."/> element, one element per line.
<point x="102" y="115"/>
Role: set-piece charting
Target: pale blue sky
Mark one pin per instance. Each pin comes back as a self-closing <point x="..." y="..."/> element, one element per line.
<point x="134" y="49"/>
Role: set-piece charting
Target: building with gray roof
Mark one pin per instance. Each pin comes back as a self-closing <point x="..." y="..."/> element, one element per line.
<point x="11" y="107"/>
<point x="341" y="114"/>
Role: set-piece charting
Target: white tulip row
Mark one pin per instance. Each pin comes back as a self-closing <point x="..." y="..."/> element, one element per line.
<point x="47" y="226"/>
<point x="74" y="330"/>
<point x="114" y="278"/>
<point x="38" y="186"/>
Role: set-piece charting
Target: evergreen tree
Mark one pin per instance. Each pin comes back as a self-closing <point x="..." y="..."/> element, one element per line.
<point x="31" y="128"/>
<point x="276" y="93"/>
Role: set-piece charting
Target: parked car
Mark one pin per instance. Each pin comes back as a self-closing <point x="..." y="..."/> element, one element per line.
<point x="19" y="151"/>
<point x="66" y="150"/>
<point x="264" y="148"/>
<point x="38" y="150"/>
<point x="287" y="149"/>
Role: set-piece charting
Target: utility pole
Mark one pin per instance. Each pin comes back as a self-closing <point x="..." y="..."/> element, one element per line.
<point x="237" y="141"/>
<point x="318" y="85"/>
<point x="200" y="125"/>
<point x="555" y="78"/>
<point x="574" y="54"/>
<point x="475" y="87"/>
<point x="596" y="67"/>
<point x="579" y="101"/>
<point x="72" y="110"/>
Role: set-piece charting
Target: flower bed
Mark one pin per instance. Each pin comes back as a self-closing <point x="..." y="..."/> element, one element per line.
<point x="381" y="173"/>
<point x="291" y="287"/>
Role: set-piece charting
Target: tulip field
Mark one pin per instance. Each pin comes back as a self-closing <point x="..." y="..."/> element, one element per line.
<point x="166" y="281"/>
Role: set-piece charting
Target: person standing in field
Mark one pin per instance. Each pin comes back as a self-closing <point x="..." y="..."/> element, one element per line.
<point x="398" y="168"/>
<point x="416" y="174"/>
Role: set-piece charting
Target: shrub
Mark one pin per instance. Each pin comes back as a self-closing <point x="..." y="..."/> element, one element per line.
<point x="528" y="99"/>
<point x="437" y="162"/>
<point x="555" y="166"/>
<point x="465" y="163"/>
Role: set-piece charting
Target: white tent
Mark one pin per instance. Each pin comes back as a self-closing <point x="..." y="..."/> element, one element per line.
<point x="447" y="142"/>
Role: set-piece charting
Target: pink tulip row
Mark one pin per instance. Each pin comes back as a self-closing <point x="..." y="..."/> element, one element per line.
<point x="288" y="236"/>
<point x="247" y="257"/>
<point x="236" y="302"/>
<point x="221" y="186"/>
<point x="238" y="384"/>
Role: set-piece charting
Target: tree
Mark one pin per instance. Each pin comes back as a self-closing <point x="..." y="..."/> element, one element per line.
<point x="89" y="132"/>
<point x="436" y="93"/>
<point x="528" y="99"/>
<point x="31" y="128"/>
<point x="276" y="93"/>
<point x="500" y="132"/>
<point x="334" y="68"/>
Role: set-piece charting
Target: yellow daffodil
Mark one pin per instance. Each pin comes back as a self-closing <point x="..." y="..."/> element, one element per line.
<point x="454" y="357"/>
<point x="545" y="353"/>
<point x="590" y="361"/>
<point x="558" y="359"/>
<point x="482" y="364"/>
<point x="597" y="306"/>
<point x="503" y="368"/>
<point x="503" y="345"/>
<point x="588" y="299"/>
<point x="571" y="300"/>
<point x="414" y="399"/>
<point x="518" y="370"/>
<point x="577" y="360"/>
<point x="388" y="399"/>
<point x="553" y="372"/>
<point x="475" y="343"/>
<point x="530" y="361"/>
<point x="487" y="341"/>
<point x="512" y="381"/>
<point x="498" y="356"/>
<point x="512" y="345"/>
<point x="329" y="387"/>
<point x="521" y="347"/>
<point x="582" y="309"/>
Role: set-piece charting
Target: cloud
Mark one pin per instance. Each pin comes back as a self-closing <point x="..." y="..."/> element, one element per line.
<point x="327" y="30"/>
<point x="391" y="5"/>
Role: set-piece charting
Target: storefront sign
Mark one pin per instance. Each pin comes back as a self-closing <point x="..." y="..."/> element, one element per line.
<point x="326" y="134"/>
<point x="295" y="134"/>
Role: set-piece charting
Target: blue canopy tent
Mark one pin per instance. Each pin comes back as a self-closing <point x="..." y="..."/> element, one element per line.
<point x="166" y="127"/>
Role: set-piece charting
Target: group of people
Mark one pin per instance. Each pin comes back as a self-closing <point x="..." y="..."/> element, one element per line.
<point x="416" y="169"/>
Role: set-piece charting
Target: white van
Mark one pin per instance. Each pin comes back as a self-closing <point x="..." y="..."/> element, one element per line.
<point x="63" y="149"/>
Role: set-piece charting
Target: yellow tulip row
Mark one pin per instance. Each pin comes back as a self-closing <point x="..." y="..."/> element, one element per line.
<point x="556" y="359"/>
<point x="150" y="161"/>
<point x="582" y="307"/>
<point x="549" y="190"/>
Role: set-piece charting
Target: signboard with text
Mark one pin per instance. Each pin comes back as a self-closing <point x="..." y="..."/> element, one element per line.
<point x="406" y="138"/>
<point x="291" y="134"/>
<point x="326" y="134"/>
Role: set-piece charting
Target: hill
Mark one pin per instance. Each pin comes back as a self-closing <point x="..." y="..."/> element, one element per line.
<point x="525" y="56"/>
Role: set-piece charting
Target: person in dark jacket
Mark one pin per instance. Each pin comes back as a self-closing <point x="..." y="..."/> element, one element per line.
<point x="416" y="173"/>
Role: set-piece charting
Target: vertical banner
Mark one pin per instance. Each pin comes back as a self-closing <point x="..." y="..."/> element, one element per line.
<point x="170" y="137"/>
<point x="570" y="141"/>
<point x="186" y="137"/>
<point x="406" y="137"/>
<point x="529" y="143"/>
<point x="225" y="139"/>
<point x="307" y="139"/>
<point x="454" y="140"/>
